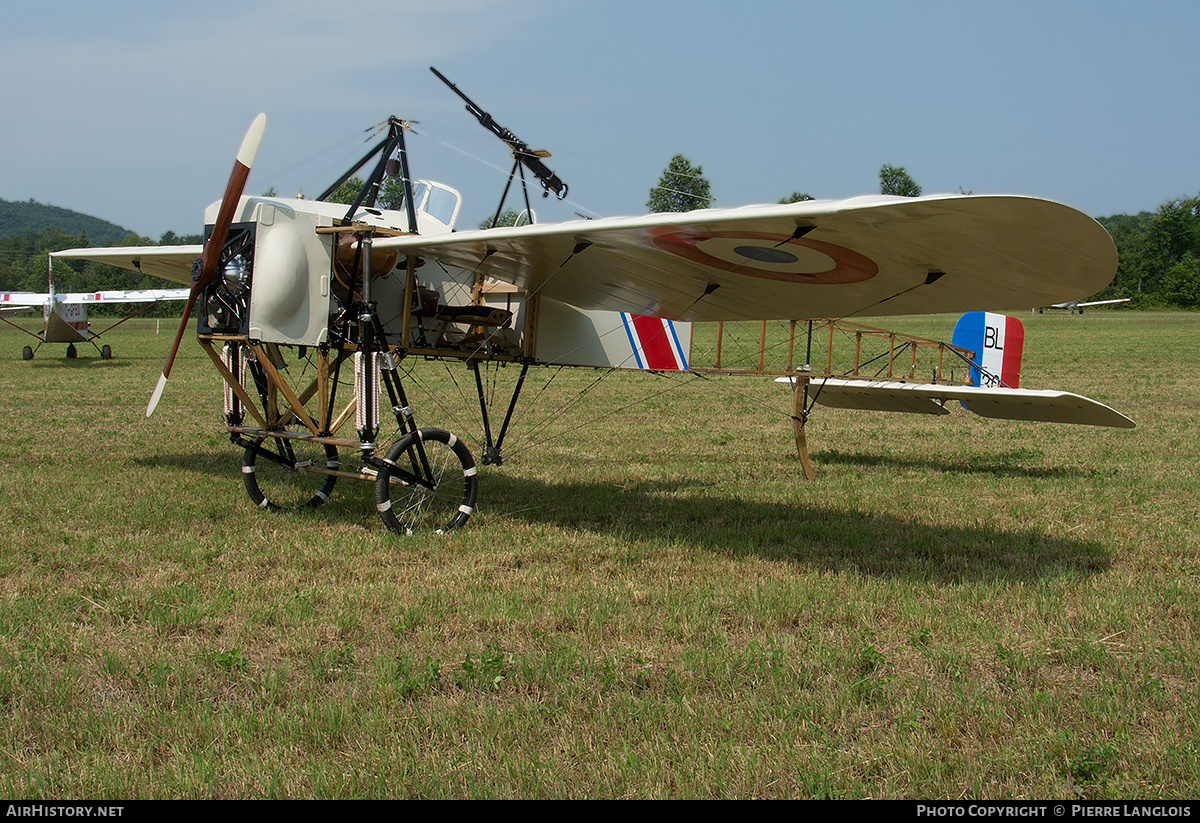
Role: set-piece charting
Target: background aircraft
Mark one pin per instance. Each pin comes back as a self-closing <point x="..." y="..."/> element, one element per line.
<point x="65" y="317"/>
<point x="1076" y="306"/>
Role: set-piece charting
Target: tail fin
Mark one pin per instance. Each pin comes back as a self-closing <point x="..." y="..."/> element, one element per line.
<point x="50" y="285"/>
<point x="997" y="341"/>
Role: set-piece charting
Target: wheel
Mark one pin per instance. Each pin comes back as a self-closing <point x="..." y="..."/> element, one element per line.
<point x="279" y="472"/>
<point x="411" y="499"/>
<point x="106" y="352"/>
<point x="71" y="350"/>
<point x="27" y="353"/>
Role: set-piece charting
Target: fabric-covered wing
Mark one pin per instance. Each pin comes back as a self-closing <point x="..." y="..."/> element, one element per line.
<point x="172" y="263"/>
<point x="870" y="255"/>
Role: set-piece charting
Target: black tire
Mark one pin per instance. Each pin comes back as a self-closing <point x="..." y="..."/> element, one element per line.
<point x="71" y="350"/>
<point x="275" y="471"/>
<point x="27" y="353"/>
<point x="407" y="507"/>
<point x="106" y="352"/>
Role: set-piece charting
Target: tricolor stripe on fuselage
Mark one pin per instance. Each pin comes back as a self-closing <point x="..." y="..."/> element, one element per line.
<point x="654" y="342"/>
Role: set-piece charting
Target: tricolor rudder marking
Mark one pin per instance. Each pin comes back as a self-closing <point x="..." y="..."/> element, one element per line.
<point x="998" y="341"/>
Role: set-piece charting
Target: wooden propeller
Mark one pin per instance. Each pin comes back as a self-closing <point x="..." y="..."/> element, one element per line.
<point x="207" y="264"/>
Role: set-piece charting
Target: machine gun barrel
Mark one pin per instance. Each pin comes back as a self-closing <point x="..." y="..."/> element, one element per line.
<point x="521" y="150"/>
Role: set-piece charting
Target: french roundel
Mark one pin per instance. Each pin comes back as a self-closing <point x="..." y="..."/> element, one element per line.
<point x="771" y="256"/>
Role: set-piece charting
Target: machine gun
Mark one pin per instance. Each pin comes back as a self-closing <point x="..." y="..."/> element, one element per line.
<point x="523" y="156"/>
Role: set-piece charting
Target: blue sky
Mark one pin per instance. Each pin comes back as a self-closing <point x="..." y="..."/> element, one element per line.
<point x="133" y="111"/>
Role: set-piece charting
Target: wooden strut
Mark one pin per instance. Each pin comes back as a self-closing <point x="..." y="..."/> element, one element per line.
<point x="273" y="418"/>
<point x="800" y="402"/>
<point x="799" y="414"/>
<point x="281" y="384"/>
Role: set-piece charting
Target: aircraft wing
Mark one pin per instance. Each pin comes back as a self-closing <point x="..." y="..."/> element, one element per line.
<point x="126" y="296"/>
<point x="994" y="402"/>
<point x="12" y="302"/>
<point x="873" y="255"/>
<point x="172" y="263"/>
<point x="1072" y="305"/>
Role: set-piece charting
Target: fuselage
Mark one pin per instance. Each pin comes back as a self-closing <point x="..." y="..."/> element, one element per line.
<point x="65" y="322"/>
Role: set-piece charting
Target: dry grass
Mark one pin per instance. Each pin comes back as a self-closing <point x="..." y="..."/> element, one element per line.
<point x="656" y="605"/>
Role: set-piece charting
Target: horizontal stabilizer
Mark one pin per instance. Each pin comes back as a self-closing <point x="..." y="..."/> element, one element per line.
<point x="1033" y="405"/>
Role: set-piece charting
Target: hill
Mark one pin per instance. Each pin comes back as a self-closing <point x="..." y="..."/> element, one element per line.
<point x="18" y="218"/>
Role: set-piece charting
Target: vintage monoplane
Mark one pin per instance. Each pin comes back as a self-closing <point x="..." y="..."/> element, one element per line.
<point x="293" y="292"/>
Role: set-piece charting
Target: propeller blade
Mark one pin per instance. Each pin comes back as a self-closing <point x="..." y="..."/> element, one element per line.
<point x="216" y="242"/>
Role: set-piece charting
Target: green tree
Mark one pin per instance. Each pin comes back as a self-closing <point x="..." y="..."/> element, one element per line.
<point x="508" y="217"/>
<point x="170" y="238"/>
<point x="346" y="192"/>
<point x="895" y="180"/>
<point x="1181" y="283"/>
<point x="682" y="187"/>
<point x="1157" y="254"/>
<point x="391" y="194"/>
<point x="1134" y="253"/>
<point x="796" y="197"/>
<point x="1175" y="230"/>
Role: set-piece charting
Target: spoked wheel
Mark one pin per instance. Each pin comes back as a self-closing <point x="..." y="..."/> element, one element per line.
<point x="429" y="483"/>
<point x="285" y="473"/>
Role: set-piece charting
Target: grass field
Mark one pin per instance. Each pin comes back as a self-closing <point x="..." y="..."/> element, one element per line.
<point x="650" y="602"/>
